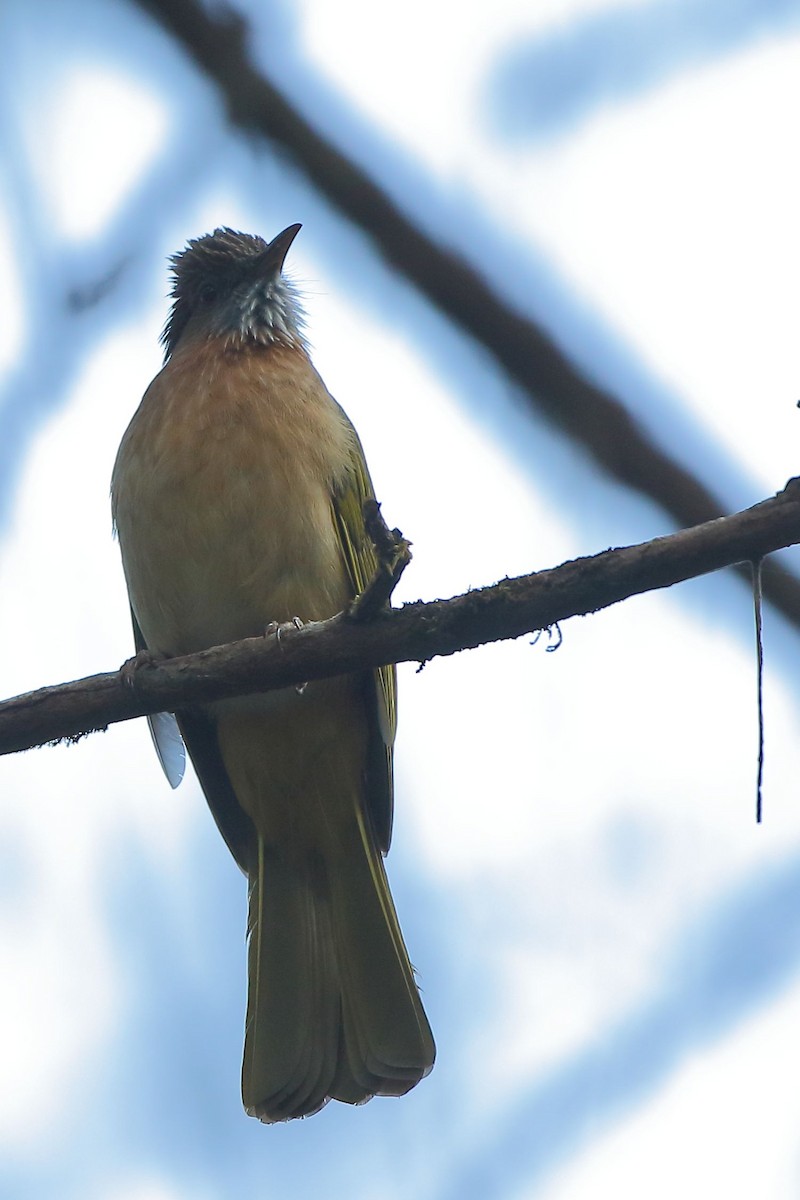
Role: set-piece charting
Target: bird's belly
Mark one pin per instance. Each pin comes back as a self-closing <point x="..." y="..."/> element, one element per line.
<point x="220" y="555"/>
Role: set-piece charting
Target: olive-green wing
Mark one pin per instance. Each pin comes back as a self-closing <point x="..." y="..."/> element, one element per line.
<point x="380" y="686"/>
<point x="163" y="729"/>
<point x="197" y="732"/>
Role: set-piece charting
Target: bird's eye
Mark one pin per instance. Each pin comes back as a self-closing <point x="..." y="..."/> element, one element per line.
<point x="208" y="293"/>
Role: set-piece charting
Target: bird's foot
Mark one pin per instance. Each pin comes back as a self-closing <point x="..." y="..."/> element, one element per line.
<point x="145" y="658"/>
<point x="393" y="553"/>
<point x="276" y="628"/>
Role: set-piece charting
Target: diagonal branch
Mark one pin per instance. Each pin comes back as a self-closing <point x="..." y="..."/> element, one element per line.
<point x="416" y="632"/>
<point x="217" y="42"/>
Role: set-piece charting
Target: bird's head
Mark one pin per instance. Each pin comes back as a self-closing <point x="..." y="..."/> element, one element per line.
<point x="230" y="285"/>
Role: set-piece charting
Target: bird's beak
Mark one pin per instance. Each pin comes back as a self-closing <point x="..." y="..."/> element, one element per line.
<point x="271" y="260"/>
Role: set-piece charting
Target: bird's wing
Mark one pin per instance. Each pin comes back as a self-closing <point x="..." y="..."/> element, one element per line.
<point x="200" y="735"/>
<point x="163" y="729"/>
<point x="196" y="732"/>
<point x="380" y="686"/>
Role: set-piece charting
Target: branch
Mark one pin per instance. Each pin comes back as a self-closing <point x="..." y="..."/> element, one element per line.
<point x="216" y="40"/>
<point x="416" y="632"/>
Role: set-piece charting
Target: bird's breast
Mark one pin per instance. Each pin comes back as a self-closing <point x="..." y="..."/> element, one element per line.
<point x="222" y="497"/>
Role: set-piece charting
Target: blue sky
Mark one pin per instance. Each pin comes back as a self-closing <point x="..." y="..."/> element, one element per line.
<point x="607" y="944"/>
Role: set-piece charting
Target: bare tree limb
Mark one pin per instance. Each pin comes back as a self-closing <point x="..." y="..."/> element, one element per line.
<point x="217" y="42"/>
<point x="416" y="632"/>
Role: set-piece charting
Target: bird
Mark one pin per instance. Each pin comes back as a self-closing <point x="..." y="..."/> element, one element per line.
<point x="238" y="497"/>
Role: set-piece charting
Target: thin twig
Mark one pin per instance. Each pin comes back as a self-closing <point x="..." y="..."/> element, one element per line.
<point x="756" y="566"/>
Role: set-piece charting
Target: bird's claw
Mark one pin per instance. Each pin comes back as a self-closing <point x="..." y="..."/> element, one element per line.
<point x="276" y="628"/>
<point x="144" y="658"/>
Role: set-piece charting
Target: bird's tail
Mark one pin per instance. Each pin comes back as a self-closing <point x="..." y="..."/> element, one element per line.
<point x="333" y="1009"/>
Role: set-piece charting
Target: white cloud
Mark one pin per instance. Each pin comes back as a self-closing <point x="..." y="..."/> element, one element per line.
<point x="725" y="1125"/>
<point x="66" y="812"/>
<point x="92" y="134"/>
<point x="12" y="327"/>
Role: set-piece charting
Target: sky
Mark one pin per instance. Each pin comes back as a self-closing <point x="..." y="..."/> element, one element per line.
<point x="608" y="945"/>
